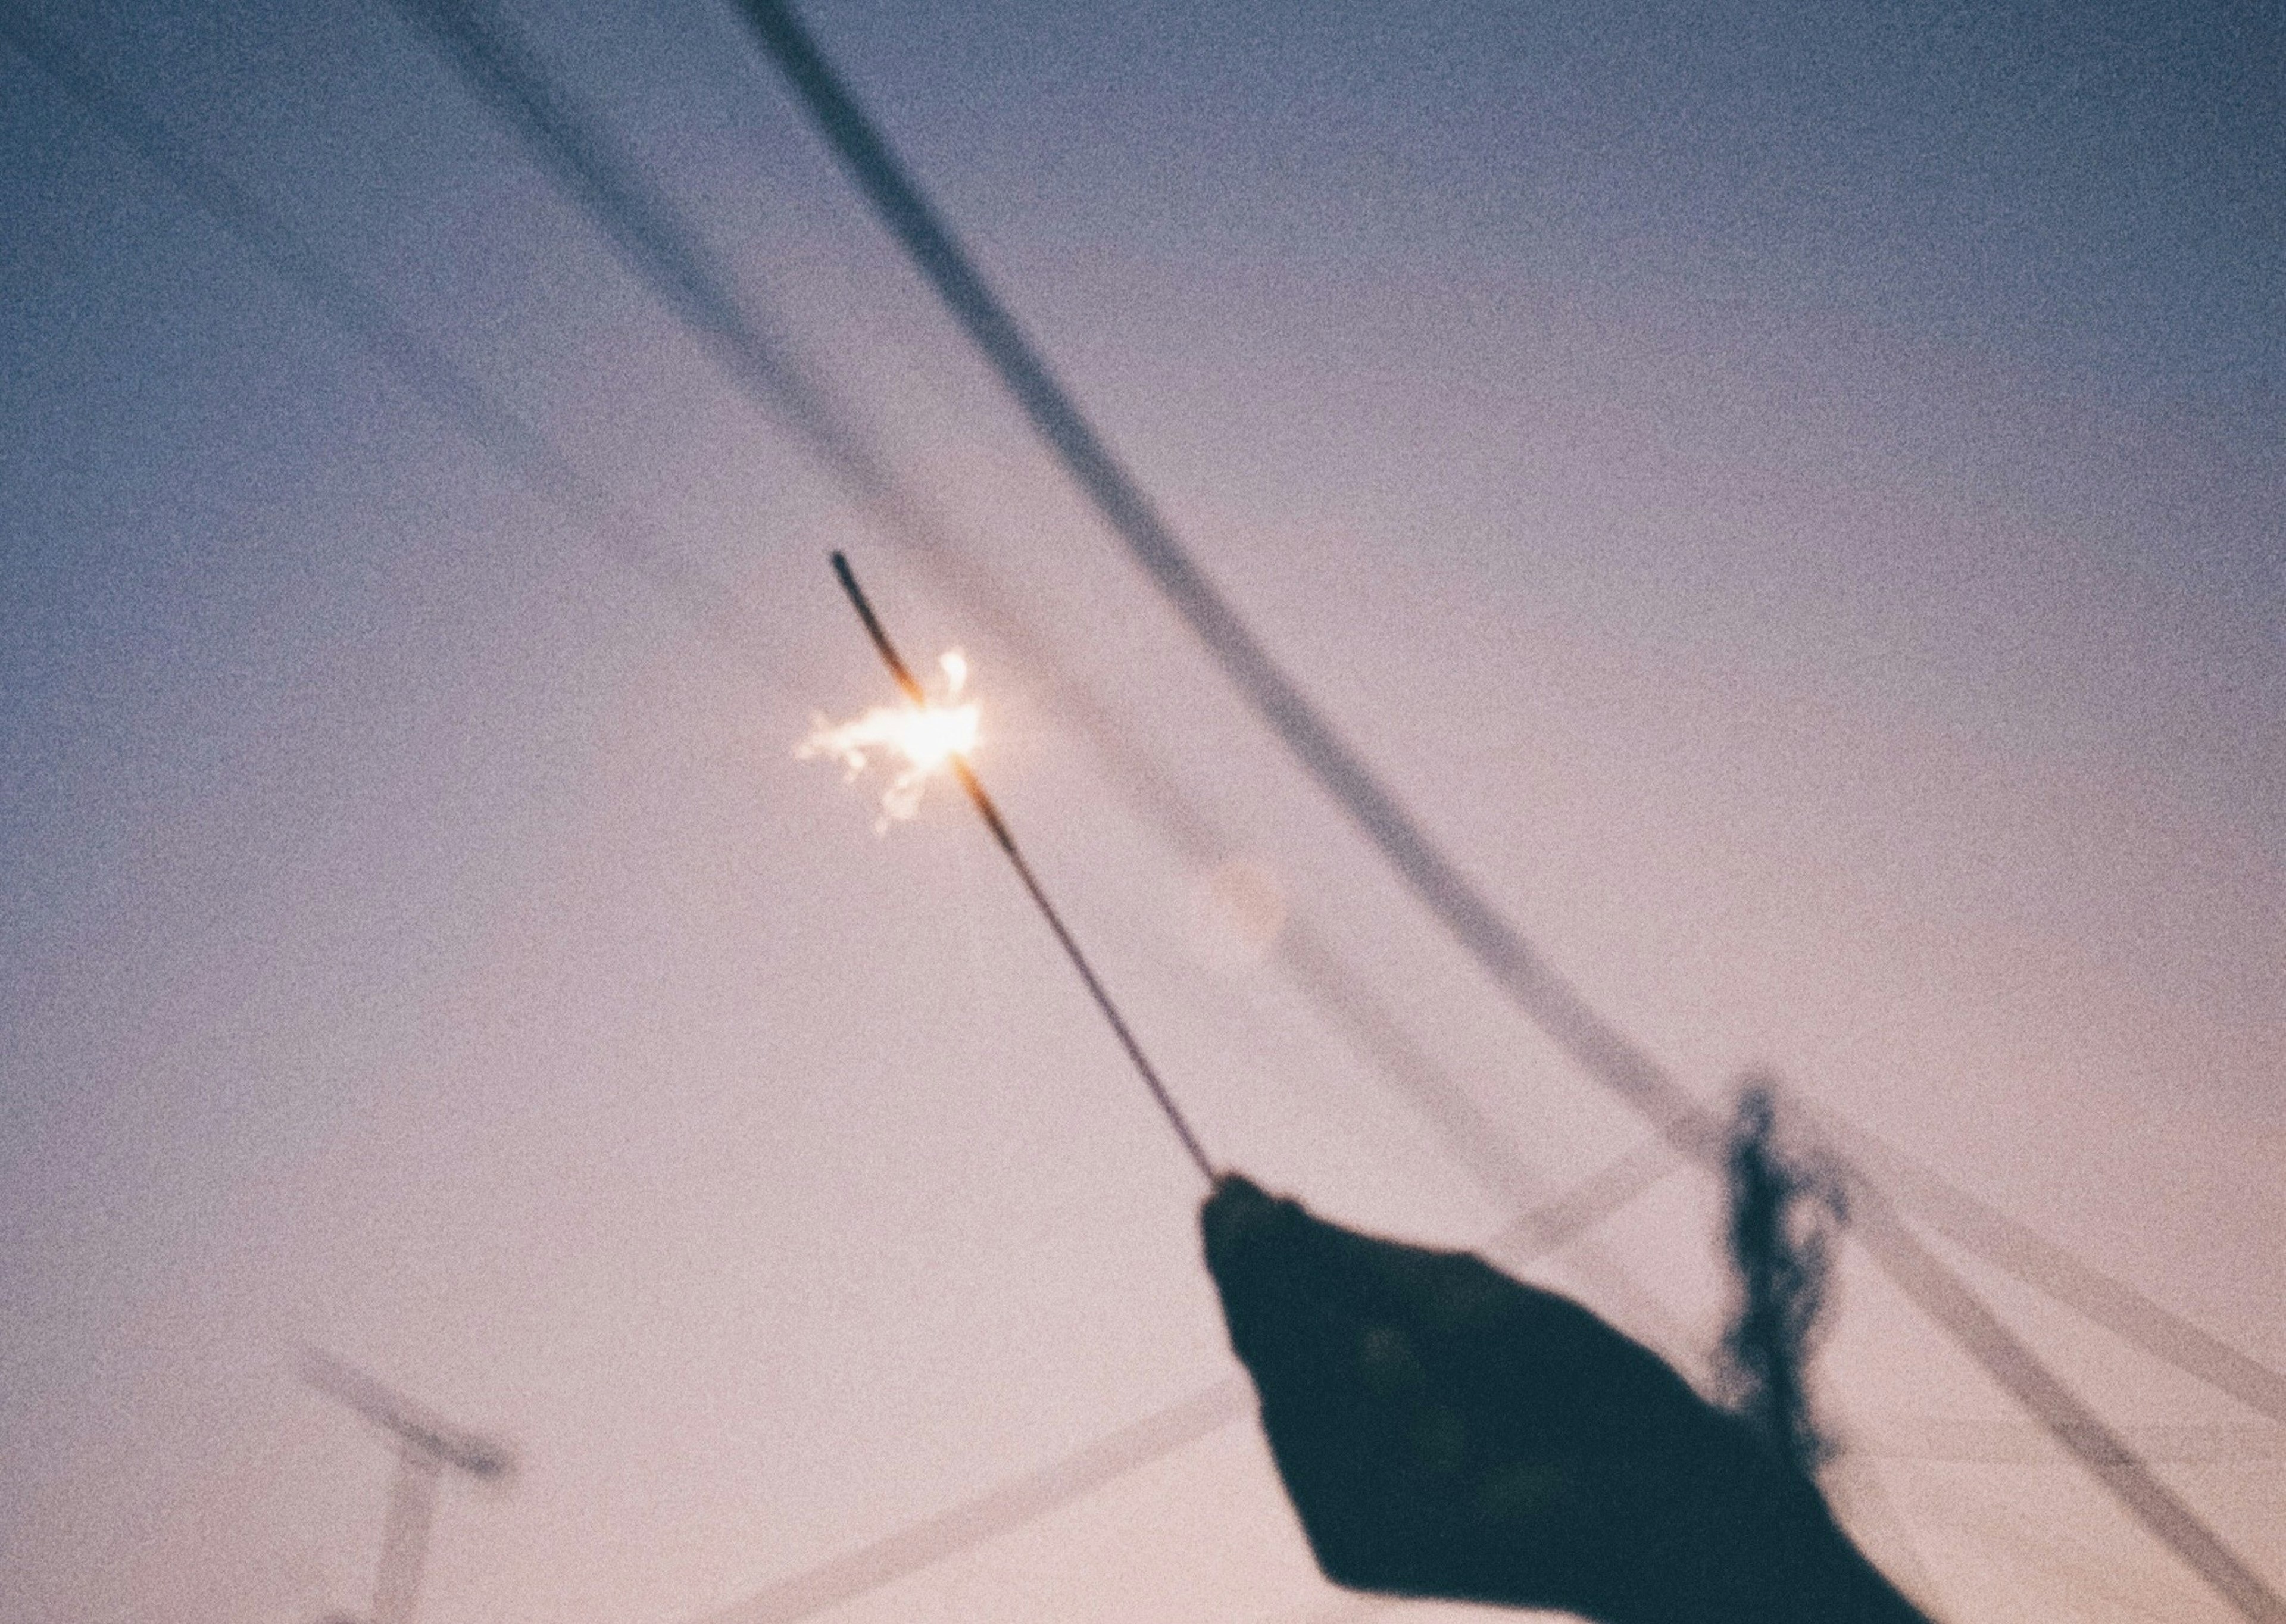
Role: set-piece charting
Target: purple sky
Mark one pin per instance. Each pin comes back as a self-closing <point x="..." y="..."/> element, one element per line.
<point x="1792" y="495"/>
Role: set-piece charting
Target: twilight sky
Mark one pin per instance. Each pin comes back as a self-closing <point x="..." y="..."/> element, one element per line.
<point x="1791" y="494"/>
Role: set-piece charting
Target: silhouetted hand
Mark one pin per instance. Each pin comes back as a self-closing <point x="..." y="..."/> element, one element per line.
<point x="1445" y="1431"/>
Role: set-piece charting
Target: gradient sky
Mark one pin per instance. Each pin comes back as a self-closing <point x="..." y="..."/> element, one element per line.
<point x="1792" y="494"/>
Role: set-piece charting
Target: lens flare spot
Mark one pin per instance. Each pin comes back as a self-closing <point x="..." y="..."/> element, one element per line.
<point x="1237" y="912"/>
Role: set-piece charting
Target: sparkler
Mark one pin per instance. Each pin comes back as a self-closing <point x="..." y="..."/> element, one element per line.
<point x="935" y="736"/>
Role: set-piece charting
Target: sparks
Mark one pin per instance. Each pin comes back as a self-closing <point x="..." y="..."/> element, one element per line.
<point x="924" y="736"/>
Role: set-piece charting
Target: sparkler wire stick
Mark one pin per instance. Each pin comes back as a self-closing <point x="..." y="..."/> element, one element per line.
<point x="981" y="800"/>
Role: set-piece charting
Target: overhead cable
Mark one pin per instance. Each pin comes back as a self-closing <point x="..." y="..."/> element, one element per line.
<point x="1010" y="1506"/>
<point x="671" y="258"/>
<point x="453" y="397"/>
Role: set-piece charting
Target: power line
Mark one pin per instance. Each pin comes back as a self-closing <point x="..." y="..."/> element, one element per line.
<point x="669" y="255"/>
<point x="1936" y="1438"/>
<point x="449" y="394"/>
<point x="1000" y="1510"/>
<point x="1601" y="1048"/>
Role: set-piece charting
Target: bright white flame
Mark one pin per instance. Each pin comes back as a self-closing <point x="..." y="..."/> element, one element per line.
<point x="925" y="737"/>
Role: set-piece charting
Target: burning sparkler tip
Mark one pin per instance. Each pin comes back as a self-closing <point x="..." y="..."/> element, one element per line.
<point x="927" y="737"/>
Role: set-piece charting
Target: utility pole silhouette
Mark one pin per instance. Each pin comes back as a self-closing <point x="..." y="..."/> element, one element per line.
<point x="426" y="1447"/>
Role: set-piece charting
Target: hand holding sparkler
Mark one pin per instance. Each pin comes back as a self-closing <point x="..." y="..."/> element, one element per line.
<point x="1447" y="1431"/>
<point x="933" y="735"/>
